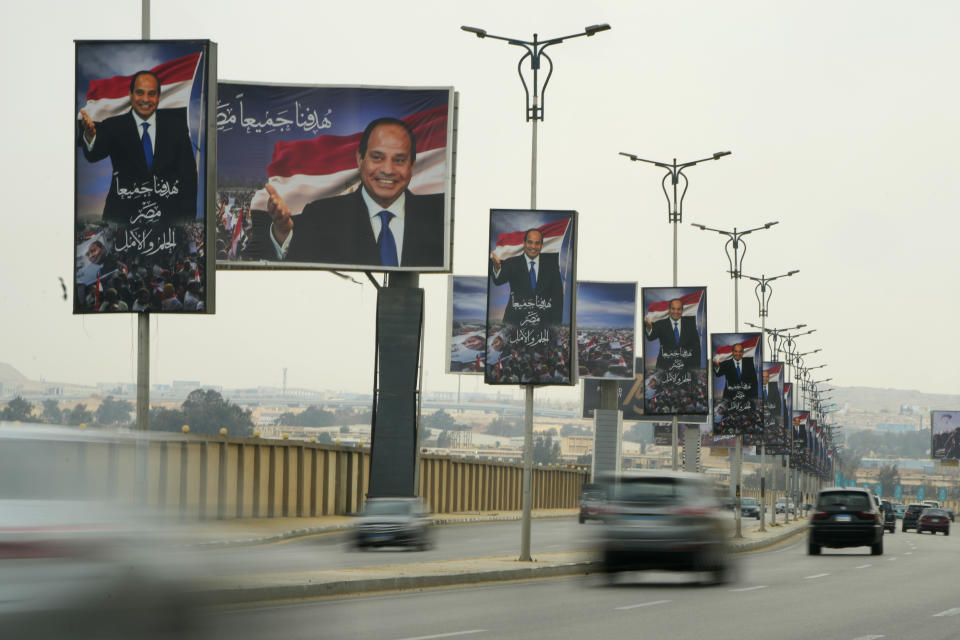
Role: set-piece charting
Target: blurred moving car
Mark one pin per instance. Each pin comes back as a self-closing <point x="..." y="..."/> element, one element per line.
<point x="899" y="508"/>
<point x="845" y="517"/>
<point x="592" y="499"/>
<point x="934" y="520"/>
<point x="664" y="520"/>
<point x="782" y="505"/>
<point x="952" y="515"/>
<point x="911" y="515"/>
<point x="750" y="508"/>
<point x="889" y="516"/>
<point x="393" y="522"/>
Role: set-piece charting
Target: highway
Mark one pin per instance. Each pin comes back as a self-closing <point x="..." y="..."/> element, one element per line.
<point x="910" y="591"/>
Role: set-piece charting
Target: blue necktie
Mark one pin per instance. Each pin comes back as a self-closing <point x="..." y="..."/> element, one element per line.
<point x="147" y="146"/>
<point x="386" y="242"/>
<point x="533" y="277"/>
<point x="676" y="332"/>
<point x="738" y="372"/>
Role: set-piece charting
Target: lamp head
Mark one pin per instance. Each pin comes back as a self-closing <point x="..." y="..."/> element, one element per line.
<point x="720" y="154"/>
<point x="480" y="33"/>
<point x="596" y="28"/>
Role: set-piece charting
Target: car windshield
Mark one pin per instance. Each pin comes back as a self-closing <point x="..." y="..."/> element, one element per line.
<point x="388" y="508"/>
<point x="916" y="508"/>
<point x="847" y="500"/>
<point x="651" y="491"/>
<point x="934" y="512"/>
<point x="749" y="502"/>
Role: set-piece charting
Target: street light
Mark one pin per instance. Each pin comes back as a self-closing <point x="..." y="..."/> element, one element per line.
<point x="734" y="240"/>
<point x="764" y="290"/>
<point x="675" y="204"/>
<point x="534" y="51"/>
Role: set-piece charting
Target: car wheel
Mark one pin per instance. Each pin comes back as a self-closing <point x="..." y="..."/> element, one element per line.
<point x="813" y="549"/>
<point x="582" y="519"/>
<point x="904" y="529"/>
<point x="876" y="549"/>
<point x="947" y="532"/>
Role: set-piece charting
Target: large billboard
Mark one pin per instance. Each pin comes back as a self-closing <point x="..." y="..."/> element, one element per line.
<point x="606" y="316"/>
<point x="945" y="434"/>
<point x="144" y="118"/>
<point x="335" y="177"/>
<point x="799" y="453"/>
<point x="466" y="324"/>
<point x="737" y="381"/>
<point x="774" y="429"/>
<point x="630" y="394"/>
<point x="530" y="297"/>
<point x="675" y="350"/>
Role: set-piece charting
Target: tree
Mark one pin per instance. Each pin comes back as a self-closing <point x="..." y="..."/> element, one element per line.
<point x="207" y="412"/>
<point x="163" y="419"/>
<point x="114" y="412"/>
<point x="503" y="427"/>
<point x="313" y="416"/>
<point x="444" y="440"/>
<point x="439" y="420"/>
<point x="78" y="415"/>
<point x="889" y="478"/>
<point x="324" y="438"/>
<point x="546" y="450"/>
<point x="51" y="412"/>
<point x="17" y="409"/>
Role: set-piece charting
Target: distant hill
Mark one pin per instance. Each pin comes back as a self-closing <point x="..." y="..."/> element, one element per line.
<point x="9" y="374"/>
<point x="891" y="400"/>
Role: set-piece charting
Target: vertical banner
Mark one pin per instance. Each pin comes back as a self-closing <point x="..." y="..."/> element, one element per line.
<point x="466" y="330"/>
<point x="737" y="371"/>
<point x="675" y="350"/>
<point x="144" y="118"/>
<point x="335" y="177"/>
<point x="945" y="435"/>
<point x="798" y="453"/>
<point x="606" y="316"/>
<point x="774" y="429"/>
<point x="530" y="297"/>
<point x="788" y="417"/>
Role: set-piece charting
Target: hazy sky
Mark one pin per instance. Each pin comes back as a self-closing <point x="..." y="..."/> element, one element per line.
<point x="841" y="116"/>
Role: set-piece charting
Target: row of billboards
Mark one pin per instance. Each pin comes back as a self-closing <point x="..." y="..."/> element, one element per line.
<point x="177" y="174"/>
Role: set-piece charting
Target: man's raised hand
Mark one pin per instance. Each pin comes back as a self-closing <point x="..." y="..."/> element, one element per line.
<point x="279" y="214"/>
<point x="89" y="128"/>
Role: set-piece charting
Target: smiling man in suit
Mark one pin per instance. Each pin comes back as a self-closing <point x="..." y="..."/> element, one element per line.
<point x="535" y="282"/>
<point x="382" y="223"/>
<point x="154" y="169"/>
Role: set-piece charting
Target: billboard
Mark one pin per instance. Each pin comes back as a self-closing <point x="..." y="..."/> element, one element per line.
<point x="606" y="316"/>
<point x="774" y="429"/>
<point x="334" y="177"/>
<point x="675" y="350"/>
<point x="530" y="297"/>
<point x="142" y="176"/>
<point x="466" y="324"/>
<point x="945" y="435"/>
<point x="799" y="453"/>
<point x="631" y="394"/>
<point x="737" y="408"/>
<point x="663" y="432"/>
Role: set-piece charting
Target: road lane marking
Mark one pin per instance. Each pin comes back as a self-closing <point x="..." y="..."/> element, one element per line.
<point x="447" y="635"/>
<point x="642" y="604"/>
<point x="948" y="612"/>
<point x="908" y="553"/>
<point x="816" y="575"/>
<point x="869" y="637"/>
<point x="863" y="566"/>
<point x="891" y="559"/>
<point x="761" y="586"/>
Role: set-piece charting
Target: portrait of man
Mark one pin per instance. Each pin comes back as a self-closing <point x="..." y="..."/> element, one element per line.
<point x="154" y="167"/>
<point x="678" y="337"/>
<point x="381" y="223"/>
<point x="739" y="374"/>
<point x="534" y="280"/>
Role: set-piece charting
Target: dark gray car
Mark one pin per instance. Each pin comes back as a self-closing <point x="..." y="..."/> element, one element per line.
<point x="393" y="522"/>
<point x="846" y="517"/>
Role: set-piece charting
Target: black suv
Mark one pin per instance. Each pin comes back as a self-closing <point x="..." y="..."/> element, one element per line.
<point x="845" y="517"/>
<point x="889" y="516"/>
<point x="911" y="514"/>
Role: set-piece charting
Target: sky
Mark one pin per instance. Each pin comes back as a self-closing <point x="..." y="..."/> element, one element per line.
<point x="841" y="118"/>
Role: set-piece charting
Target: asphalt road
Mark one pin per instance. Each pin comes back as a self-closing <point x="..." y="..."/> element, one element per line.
<point x="909" y="592"/>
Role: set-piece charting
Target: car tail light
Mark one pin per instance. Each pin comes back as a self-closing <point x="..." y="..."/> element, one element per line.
<point x="867" y="515"/>
<point x="820" y="515"/>
<point x="690" y="511"/>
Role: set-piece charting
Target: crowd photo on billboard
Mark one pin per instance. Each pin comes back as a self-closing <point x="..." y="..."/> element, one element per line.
<point x="774" y="429"/>
<point x="334" y="177"/>
<point x="606" y="315"/>
<point x="675" y="350"/>
<point x="945" y="434"/>
<point x="466" y="324"/>
<point x="736" y="368"/>
<point x="142" y="119"/>
<point x="530" y="297"/>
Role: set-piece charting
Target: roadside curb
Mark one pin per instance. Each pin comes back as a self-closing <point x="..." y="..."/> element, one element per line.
<point x="769" y="541"/>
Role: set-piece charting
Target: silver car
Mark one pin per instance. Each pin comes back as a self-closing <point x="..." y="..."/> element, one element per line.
<point x="393" y="522"/>
<point x="665" y="520"/>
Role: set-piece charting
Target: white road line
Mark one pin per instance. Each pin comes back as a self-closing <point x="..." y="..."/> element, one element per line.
<point x="447" y="635"/>
<point x="891" y="559"/>
<point x="816" y="575"/>
<point x="868" y="637"/>
<point x="642" y="604"/>
<point x="863" y="566"/>
<point x="908" y="553"/>
<point x="948" y="612"/>
<point x="760" y="586"/>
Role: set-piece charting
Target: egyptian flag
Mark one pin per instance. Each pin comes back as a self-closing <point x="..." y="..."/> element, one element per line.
<point x="511" y="244"/>
<point x="325" y="166"/>
<point x="107" y="97"/>
<point x="661" y="308"/>
<point x="749" y="349"/>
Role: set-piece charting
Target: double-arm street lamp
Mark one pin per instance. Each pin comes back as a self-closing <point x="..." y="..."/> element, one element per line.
<point x="735" y="259"/>
<point x="674" y="199"/>
<point x="534" y="51"/>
